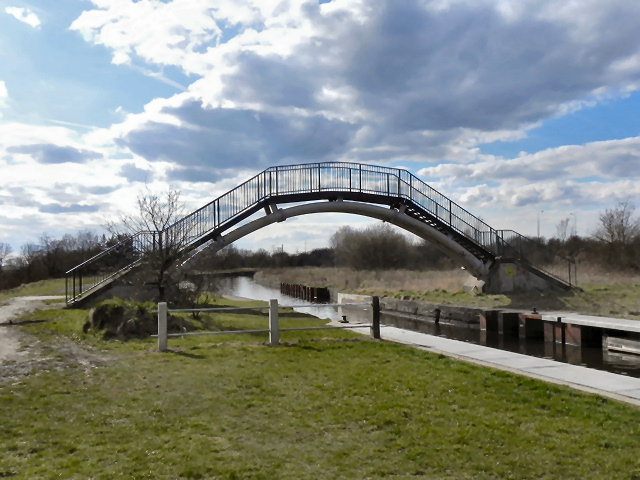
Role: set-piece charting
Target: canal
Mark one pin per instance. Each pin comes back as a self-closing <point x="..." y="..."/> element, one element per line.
<point x="591" y="357"/>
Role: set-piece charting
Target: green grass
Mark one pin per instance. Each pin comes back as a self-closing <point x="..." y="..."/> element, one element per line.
<point x="44" y="287"/>
<point x="326" y="404"/>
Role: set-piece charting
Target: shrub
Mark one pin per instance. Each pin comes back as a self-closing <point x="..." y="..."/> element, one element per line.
<point x="122" y="319"/>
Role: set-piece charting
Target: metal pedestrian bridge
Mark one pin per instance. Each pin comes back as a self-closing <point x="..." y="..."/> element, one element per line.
<point x="277" y="193"/>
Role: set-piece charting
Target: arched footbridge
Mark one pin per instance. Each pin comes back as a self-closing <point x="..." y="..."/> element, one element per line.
<point x="502" y="260"/>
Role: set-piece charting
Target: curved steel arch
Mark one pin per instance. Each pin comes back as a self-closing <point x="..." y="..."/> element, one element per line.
<point x="474" y="265"/>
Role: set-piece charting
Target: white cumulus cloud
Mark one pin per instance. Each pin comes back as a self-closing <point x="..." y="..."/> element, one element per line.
<point x="24" y="15"/>
<point x="4" y="94"/>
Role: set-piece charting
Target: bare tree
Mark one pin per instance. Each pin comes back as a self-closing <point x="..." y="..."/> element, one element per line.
<point x="562" y="229"/>
<point x="155" y="214"/>
<point x="377" y="247"/>
<point x="30" y="261"/>
<point x="618" y="225"/>
<point x="620" y="230"/>
<point x="5" y="251"/>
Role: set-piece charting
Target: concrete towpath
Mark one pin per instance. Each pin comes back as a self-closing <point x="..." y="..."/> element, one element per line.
<point x="607" y="384"/>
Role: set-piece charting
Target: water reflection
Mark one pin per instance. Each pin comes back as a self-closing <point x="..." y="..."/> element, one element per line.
<point x="592" y="357"/>
<point x="247" y="288"/>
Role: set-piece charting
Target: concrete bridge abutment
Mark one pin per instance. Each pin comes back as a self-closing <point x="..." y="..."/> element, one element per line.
<point x="507" y="276"/>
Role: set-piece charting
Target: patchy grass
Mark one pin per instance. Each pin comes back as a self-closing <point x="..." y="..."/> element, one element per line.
<point x="45" y="287"/>
<point x="323" y="405"/>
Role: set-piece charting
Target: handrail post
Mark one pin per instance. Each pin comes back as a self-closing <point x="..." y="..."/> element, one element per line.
<point x="162" y="326"/>
<point x="375" y="319"/>
<point x="274" y="333"/>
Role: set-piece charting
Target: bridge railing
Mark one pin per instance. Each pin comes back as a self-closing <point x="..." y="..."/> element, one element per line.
<point x="337" y="177"/>
<point x="532" y="252"/>
<point x="108" y="264"/>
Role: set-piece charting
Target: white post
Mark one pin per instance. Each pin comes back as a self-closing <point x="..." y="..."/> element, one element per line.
<point x="274" y="334"/>
<point x="162" y="327"/>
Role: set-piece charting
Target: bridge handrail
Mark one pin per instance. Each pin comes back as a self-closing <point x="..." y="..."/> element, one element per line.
<point x="333" y="177"/>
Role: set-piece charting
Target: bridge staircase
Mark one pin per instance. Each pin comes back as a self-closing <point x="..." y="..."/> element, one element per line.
<point x="330" y="181"/>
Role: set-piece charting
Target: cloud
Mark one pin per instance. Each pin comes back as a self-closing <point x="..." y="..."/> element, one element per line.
<point x="76" y="208"/>
<point x="134" y="174"/>
<point x="571" y="177"/>
<point x="383" y="81"/>
<point x="194" y="175"/>
<point x="49" y="153"/>
<point x="607" y="160"/>
<point x="161" y="33"/>
<point x="4" y="94"/>
<point x="24" y="15"/>
<point x="226" y="138"/>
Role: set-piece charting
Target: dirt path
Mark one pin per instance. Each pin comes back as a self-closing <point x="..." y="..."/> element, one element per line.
<point x="22" y="354"/>
<point x="11" y="339"/>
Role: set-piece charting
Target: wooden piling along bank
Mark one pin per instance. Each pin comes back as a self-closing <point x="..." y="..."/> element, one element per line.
<point x="304" y="292"/>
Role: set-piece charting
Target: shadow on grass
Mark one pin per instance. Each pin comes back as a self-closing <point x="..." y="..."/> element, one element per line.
<point x="186" y="354"/>
<point x="258" y="310"/>
<point x="12" y="323"/>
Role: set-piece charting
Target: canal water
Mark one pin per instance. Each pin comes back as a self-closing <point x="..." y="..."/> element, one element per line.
<point x="591" y="357"/>
<point x="245" y="287"/>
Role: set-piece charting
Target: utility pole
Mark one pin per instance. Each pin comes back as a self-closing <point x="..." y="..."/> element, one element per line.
<point x="539" y="212"/>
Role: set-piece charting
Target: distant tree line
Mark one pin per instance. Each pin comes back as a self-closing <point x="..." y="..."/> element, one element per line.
<point x="48" y="258"/>
<point x="614" y="245"/>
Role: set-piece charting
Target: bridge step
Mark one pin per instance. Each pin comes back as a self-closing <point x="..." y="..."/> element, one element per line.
<point x="428" y="219"/>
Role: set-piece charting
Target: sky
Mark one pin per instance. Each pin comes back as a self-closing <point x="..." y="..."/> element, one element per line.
<point x="524" y="112"/>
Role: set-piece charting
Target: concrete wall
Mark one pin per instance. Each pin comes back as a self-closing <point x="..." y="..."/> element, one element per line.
<point x="509" y="277"/>
<point x="447" y="313"/>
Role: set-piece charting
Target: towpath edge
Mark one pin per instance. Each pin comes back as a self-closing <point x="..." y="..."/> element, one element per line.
<point x="607" y="384"/>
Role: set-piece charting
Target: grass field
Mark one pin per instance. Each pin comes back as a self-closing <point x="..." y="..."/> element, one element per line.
<point x="45" y="287"/>
<point x="324" y="405"/>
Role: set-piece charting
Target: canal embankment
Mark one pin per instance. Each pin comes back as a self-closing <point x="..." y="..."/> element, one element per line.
<point x="597" y="342"/>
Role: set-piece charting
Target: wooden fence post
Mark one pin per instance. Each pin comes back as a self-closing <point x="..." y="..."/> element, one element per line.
<point x="162" y="327"/>
<point x="375" y="320"/>
<point x="274" y="334"/>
